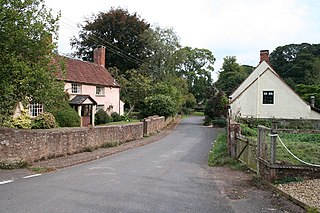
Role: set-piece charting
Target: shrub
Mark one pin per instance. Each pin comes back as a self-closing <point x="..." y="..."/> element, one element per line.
<point x="45" y="120"/>
<point x="67" y="117"/>
<point x="221" y="122"/>
<point x="23" y="121"/>
<point x="116" y="117"/>
<point x="161" y="105"/>
<point x="101" y="117"/>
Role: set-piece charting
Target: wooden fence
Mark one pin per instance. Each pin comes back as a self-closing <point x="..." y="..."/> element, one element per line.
<point x="261" y="155"/>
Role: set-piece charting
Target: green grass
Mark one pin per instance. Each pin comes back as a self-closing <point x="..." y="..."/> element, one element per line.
<point x="197" y="113"/>
<point x="218" y="155"/>
<point x="304" y="146"/>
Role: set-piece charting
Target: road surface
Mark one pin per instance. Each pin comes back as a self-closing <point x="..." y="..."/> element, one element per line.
<point x="170" y="175"/>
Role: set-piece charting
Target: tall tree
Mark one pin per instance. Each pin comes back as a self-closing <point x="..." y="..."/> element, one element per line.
<point x="196" y="66"/>
<point x="231" y="75"/>
<point x="297" y="63"/>
<point x="161" y="45"/>
<point x="121" y="33"/>
<point x="26" y="68"/>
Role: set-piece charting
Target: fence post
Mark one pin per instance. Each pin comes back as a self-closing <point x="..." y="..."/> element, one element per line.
<point x="273" y="143"/>
<point x="145" y="127"/>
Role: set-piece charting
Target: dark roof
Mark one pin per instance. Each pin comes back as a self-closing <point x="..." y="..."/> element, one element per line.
<point x="88" y="73"/>
<point x="79" y="99"/>
<point x="315" y="109"/>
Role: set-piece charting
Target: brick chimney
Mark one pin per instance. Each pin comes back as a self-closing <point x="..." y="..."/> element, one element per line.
<point x="99" y="56"/>
<point x="264" y="56"/>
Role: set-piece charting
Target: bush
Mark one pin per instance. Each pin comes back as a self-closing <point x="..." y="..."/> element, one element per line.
<point x="23" y="121"/>
<point x="45" y="120"/>
<point x="116" y="117"/>
<point x="186" y="111"/>
<point x="102" y="117"/>
<point x="221" y="122"/>
<point x="68" y="117"/>
<point x="161" y="105"/>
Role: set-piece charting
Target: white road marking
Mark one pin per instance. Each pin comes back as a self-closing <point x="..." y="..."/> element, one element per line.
<point x="101" y="167"/>
<point x="30" y="176"/>
<point x="6" y="181"/>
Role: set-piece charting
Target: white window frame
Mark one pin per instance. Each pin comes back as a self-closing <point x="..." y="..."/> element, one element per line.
<point x="75" y="88"/>
<point x="268" y="97"/>
<point x="100" y="91"/>
<point x="35" y="109"/>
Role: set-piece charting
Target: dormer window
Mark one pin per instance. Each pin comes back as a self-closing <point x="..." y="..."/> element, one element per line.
<point x="99" y="91"/>
<point x="76" y="88"/>
<point x="268" y="97"/>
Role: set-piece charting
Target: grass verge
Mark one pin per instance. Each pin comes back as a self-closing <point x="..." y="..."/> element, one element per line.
<point x="218" y="155"/>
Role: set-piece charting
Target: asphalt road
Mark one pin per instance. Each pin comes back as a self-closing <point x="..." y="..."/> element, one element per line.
<point x="170" y="175"/>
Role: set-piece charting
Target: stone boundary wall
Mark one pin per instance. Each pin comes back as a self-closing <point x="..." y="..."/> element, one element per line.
<point x="155" y="124"/>
<point x="18" y="145"/>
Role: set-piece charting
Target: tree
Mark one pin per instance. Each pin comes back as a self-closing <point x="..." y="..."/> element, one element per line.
<point x="216" y="104"/>
<point x="196" y="66"/>
<point x="134" y="87"/>
<point x="231" y="75"/>
<point x="26" y="68"/>
<point x="161" y="45"/>
<point x="121" y="33"/>
<point x="161" y="105"/>
<point x="306" y="91"/>
<point x="297" y="63"/>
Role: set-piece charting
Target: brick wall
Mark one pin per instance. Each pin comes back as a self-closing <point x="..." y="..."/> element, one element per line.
<point x="17" y="145"/>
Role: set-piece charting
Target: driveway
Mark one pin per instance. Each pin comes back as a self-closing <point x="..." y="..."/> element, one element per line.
<point x="170" y="175"/>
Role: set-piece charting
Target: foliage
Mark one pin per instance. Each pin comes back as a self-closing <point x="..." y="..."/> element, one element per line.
<point x="121" y="33"/>
<point x="306" y="91"/>
<point x="231" y="75"/>
<point x="67" y="117"/>
<point x="161" y="105"/>
<point x="216" y="104"/>
<point x="171" y="90"/>
<point x="101" y="117"/>
<point x="23" y="121"/>
<point x="134" y="87"/>
<point x="26" y="54"/>
<point x="116" y="117"/>
<point x="297" y="63"/>
<point x="161" y="45"/>
<point x="222" y="122"/>
<point x="218" y="155"/>
<point x="195" y="65"/>
<point x="248" y="131"/>
<point x="45" y="120"/>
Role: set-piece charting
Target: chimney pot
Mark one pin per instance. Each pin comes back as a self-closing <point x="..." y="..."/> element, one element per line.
<point x="264" y="56"/>
<point x="99" y="56"/>
<point x="312" y="100"/>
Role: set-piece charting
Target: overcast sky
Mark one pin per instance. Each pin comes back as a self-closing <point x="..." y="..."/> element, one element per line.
<point x="238" y="28"/>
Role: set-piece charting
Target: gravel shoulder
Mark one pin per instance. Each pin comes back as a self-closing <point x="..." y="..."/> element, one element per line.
<point x="307" y="191"/>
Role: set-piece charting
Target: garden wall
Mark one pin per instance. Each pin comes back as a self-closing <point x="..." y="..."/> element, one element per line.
<point x="17" y="145"/>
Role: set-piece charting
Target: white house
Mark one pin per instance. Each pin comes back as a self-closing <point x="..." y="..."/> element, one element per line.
<point x="265" y="95"/>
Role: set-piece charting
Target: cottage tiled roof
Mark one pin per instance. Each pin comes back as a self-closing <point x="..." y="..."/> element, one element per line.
<point x="88" y="73"/>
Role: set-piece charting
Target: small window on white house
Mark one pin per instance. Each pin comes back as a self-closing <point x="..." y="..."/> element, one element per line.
<point x="99" y="90"/>
<point x="268" y="97"/>
<point x="76" y="88"/>
<point x="35" y="109"/>
<point x="99" y="107"/>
